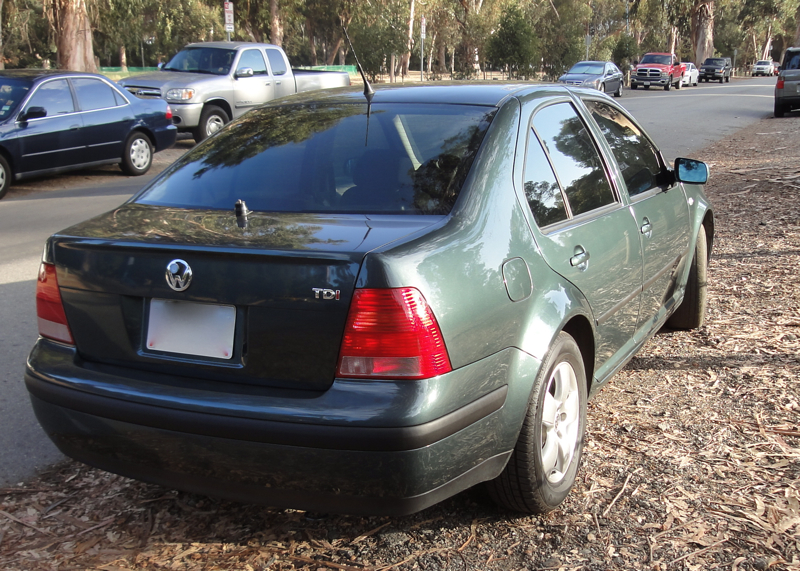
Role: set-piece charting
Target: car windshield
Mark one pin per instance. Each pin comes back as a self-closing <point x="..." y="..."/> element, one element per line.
<point x="714" y="61"/>
<point x="398" y="159"/>
<point x="587" y="67"/>
<point x="762" y="63"/>
<point x="12" y="91"/>
<point x="216" y="61"/>
<point x="658" y="59"/>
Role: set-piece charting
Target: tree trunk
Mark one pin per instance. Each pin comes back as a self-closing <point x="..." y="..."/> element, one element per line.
<point x="702" y="30"/>
<point x="407" y="55"/>
<point x="2" y="47"/>
<point x="311" y="43"/>
<point x="673" y="39"/>
<point x="123" y="58"/>
<point x="392" y="63"/>
<point x="73" y="35"/>
<point x="767" y="43"/>
<point x="276" y="26"/>
<point x="441" y="60"/>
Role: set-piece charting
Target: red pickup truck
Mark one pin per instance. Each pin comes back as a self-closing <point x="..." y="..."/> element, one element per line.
<point x="662" y="70"/>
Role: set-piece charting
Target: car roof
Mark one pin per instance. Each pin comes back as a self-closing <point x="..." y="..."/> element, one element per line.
<point x="489" y="94"/>
<point x="230" y="45"/>
<point x="36" y="74"/>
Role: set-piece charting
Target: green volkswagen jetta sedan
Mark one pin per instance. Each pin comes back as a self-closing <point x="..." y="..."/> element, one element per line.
<point x="356" y="307"/>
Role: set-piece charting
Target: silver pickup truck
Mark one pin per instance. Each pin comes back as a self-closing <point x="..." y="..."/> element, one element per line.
<point x="208" y="84"/>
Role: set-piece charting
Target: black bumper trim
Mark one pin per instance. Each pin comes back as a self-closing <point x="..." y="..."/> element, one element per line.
<point x="332" y="437"/>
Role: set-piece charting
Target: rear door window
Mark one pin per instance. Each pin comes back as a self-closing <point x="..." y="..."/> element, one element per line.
<point x="93" y="94"/>
<point x="574" y="158"/>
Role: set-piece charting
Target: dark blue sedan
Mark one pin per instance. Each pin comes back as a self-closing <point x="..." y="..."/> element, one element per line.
<point x="55" y="121"/>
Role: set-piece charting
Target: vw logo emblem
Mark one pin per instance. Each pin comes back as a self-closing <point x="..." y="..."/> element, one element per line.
<point x="179" y="275"/>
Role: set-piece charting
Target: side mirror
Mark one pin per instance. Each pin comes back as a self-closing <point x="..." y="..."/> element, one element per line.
<point x="691" y="171"/>
<point x="244" y="72"/>
<point x="33" y="113"/>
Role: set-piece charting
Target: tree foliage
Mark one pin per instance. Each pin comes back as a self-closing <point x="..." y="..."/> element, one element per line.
<point x="465" y="37"/>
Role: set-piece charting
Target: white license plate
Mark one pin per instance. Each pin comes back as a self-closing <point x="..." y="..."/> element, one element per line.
<point x="188" y="328"/>
<point x="647" y="83"/>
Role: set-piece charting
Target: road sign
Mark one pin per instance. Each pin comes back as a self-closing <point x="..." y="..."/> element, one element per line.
<point x="228" y="16"/>
<point x="422" y="31"/>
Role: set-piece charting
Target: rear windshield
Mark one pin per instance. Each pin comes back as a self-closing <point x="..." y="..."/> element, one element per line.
<point x="402" y="159"/>
<point x="792" y="60"/>
<point x="12" y="91"/>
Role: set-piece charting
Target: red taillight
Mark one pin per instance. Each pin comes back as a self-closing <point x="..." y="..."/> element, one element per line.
<point x="49" y="309"/>
<point x="169" y="112"/>
<point x="392" y="334"/>
<point x="779" y="85"/>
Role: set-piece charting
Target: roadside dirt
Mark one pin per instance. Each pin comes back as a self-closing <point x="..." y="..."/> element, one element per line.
<point x="692" y="460"/>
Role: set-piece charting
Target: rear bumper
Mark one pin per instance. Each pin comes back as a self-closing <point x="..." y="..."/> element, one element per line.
<point x="361" y="466"/>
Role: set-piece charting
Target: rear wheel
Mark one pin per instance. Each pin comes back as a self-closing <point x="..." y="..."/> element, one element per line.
<point x="692" y="310"/>
<point x="545" y="460"/>
<point x="138" y="154"/>
<point x="212" y="119"/>
<point x="5" y="176"/>
<point x="680" y="83"/>
<point x="779" y="109"/>
<point x="618" y="92"/>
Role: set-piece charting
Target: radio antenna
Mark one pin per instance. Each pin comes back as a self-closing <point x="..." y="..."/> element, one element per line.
<point x="368" y="91"/>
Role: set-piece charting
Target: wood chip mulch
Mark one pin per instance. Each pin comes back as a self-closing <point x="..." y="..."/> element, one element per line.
<point x="692" y="460"/>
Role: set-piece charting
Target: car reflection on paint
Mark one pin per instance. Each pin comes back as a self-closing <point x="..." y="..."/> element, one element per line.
<point x="367" y="306"/>
<point x="55" y="121"/>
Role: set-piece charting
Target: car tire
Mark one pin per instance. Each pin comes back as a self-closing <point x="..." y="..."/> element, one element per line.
<point x="779" y="109"/>
<point x="692" y="310"/>
<point x="695" y="83"/>
<point x="634" y="86"/>
<point x="138" y="154"/>
<point x="545" y="460"/>
<point x="5" y="176"/>
<point x="680" y="83"/>
<point x="722" y="79"/>
<point x="212" y="119"/>
<point x="618" y="92"/>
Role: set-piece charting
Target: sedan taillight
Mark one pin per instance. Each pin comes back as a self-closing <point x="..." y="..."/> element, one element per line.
<point x="392" y="334"/>
<point x="49" y="308"/>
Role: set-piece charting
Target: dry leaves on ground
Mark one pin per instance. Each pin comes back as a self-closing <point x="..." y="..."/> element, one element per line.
<point x="692" y="461"/>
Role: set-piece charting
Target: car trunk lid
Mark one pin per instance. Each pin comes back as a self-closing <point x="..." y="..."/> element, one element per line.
<point x="274" y="294"/>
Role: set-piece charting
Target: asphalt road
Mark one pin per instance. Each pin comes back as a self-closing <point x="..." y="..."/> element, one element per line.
<point x="681" y="122"/>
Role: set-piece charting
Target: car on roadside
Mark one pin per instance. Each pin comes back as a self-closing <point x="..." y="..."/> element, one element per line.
<point x="692" y="74"/>
<point x="209" y="83"/>
<point x="54" y="121"/>
<point x="604" y="76"/>
<point x="357" y="304"/>
<point x="787" y="87"/>
<point x="658" y="70"/>
<point x="763" y="67"/>
<point x="716" y="69"/>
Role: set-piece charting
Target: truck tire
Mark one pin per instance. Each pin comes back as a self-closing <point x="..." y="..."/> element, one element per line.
<point x="212" y="119"/>
<point x="634" y="86"/>
<point x="680" y="82"/>
<point x="668" y="86"/>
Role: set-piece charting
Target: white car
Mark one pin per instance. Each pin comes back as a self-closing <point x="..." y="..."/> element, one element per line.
<point x="691" y="76"/>
<point x="763" y="67"/>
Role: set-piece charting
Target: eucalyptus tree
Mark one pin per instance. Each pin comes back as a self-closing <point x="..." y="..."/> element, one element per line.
<point x="379" y="33"/>
<point x="72" y="31"/>
<point x="513" y="43"/>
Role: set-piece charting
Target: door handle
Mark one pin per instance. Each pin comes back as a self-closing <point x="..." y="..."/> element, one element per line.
<point x="581" y="258"/>
<point x="74" y="127"/>
<point x="277" y="83"/>
<point x="646" y="228"/>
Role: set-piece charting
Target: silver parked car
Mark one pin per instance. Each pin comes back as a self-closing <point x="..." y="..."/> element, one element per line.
<point x="787" y="88"/>
<point x="600" y="75"/>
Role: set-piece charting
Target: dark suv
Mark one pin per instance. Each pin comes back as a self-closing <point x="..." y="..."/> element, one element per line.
<point x="716" y="69"/>
<point x="787" y="88"/>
